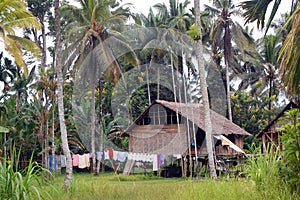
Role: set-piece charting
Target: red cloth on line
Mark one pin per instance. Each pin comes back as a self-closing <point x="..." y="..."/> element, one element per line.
<point x="110" y="153"/>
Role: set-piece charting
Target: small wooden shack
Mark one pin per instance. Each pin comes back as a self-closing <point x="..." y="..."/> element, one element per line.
<point x="174" y="128"/>
<point x="270" y="134"/>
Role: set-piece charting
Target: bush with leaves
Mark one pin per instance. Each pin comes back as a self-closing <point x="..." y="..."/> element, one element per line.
<point x="264" y="169"/>
<point x="291" y="150"/>
<point x="21" y="185"/>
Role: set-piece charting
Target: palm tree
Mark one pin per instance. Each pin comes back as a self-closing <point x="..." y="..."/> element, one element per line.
<point x="164" y="27"/>
<point x="223" y="32"/>
<point x="46" y="88"/>
<point x="21" y="86"/>
<point x="58" y="67"/>
<point x="15" y="15"/>
<point x="288" y="56"/>
<point x="90" y="26"/>
<point x="260" y="75"/>
<point x="256" y="11"/>
<point x="8" y="72"/>
<point x="40" y="9"/>
<point x="203" y="85"/>
<point x="3" y="120"/>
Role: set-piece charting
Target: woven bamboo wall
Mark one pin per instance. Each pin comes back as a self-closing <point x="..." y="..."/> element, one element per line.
<point x="163" y="139"/>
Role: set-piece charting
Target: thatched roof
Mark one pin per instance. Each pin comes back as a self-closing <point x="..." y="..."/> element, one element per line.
<point x="289" y="106"/>
<point x="195" y="113"/>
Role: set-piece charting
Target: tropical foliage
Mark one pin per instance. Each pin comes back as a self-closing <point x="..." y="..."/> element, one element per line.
<point x="65" y="100"/>
<point x="24" y="184"/>
<point x="15" y="15"/>
<point x="291" y="151"/>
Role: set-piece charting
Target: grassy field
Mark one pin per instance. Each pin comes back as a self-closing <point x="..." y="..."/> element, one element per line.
<point x="110" y="186"/>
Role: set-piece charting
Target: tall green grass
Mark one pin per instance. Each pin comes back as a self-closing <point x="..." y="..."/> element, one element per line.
<point x="139" y="187"/>
<point x="264" y="169"/>
<point x="20" y="185"/>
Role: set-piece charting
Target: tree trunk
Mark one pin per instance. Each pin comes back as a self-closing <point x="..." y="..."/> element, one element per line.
<point x="173" y="78"/>
<point x="63" y="128"/>
<point x="203" y="86"/>
<point x="228" y="93"/>
<point x="93" y="111"/>
<point x="227" y="55"/>
<point x="93" y="120"/>
<point x="100" y="125"/>
<point x="44" y="48"/>
<point x="47" y="163"/>
<point x="41" y="133"/>
<point x="148" y="84"/>
<point x="158" y="82"/>
<point x="52" y="131"/>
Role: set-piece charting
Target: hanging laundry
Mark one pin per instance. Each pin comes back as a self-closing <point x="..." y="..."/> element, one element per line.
<point x="130" y="156"/>
<point x="87" y="159"/>
<point x="50" y="162"/>
<point x="84" y="161"/>
<point x="160" y="159"/>
<point x="122" y="156"/>
<point x="154" y="162"/>
<point x="115" y="155"/>
<point x="58" y="162"/>
<point x="99" y="155"/>
<point x="106" y="157"/>
<point x="75" y="160"/>
<point x="178" y="156"/>
<point x="63" y="160"/>
<point x="110" y="153"/>
<point x="146" y="158"/>
<point x="81" y="162"/>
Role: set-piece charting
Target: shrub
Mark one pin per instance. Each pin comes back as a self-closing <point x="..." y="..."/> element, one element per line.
<point x="22" y="184"/>
<point x="291" y="150"/>
<point x="264" y="169"/>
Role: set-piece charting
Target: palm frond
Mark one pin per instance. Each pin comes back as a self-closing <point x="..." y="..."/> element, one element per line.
<point x="290" y="55"/>
<point x="255" y="10"/>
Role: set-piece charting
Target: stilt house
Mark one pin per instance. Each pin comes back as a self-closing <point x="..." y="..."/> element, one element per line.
<point x="179" y="128"/>
<point x="270" y="134"/>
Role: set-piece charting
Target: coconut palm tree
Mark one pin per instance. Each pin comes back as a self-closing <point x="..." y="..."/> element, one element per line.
<point x="58" y="67"/>
<point x="288" y="56"/>
<point x="89" y="27"/>
<point x="203" y="86"/>
<point x="21" y="86"/>
<point x="223" y="33"/>
<point x="8" y="72"/>
<point x="14" y="15"/>
<point x="263" y="72"/>
<point x="168" y="23"/>
<point x="41" y="9"/>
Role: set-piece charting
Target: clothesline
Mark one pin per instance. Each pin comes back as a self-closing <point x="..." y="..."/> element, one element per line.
<point x="83" y="161"/>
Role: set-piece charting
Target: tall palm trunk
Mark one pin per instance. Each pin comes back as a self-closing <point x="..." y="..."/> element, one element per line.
<point x="203" y="86"/>
<point x="158" y="82"/>
<point x="63" y="128"/>
<point x="148" y="85"/>
<point x="44" y="47"/>
<point x="93" y="119"/>
<point x="227" y="52"/>
<point x="100" y="126"/>
<point x="52" y="131"/>
<point x="270" y="96"/>
<point x="46" y="142"/>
